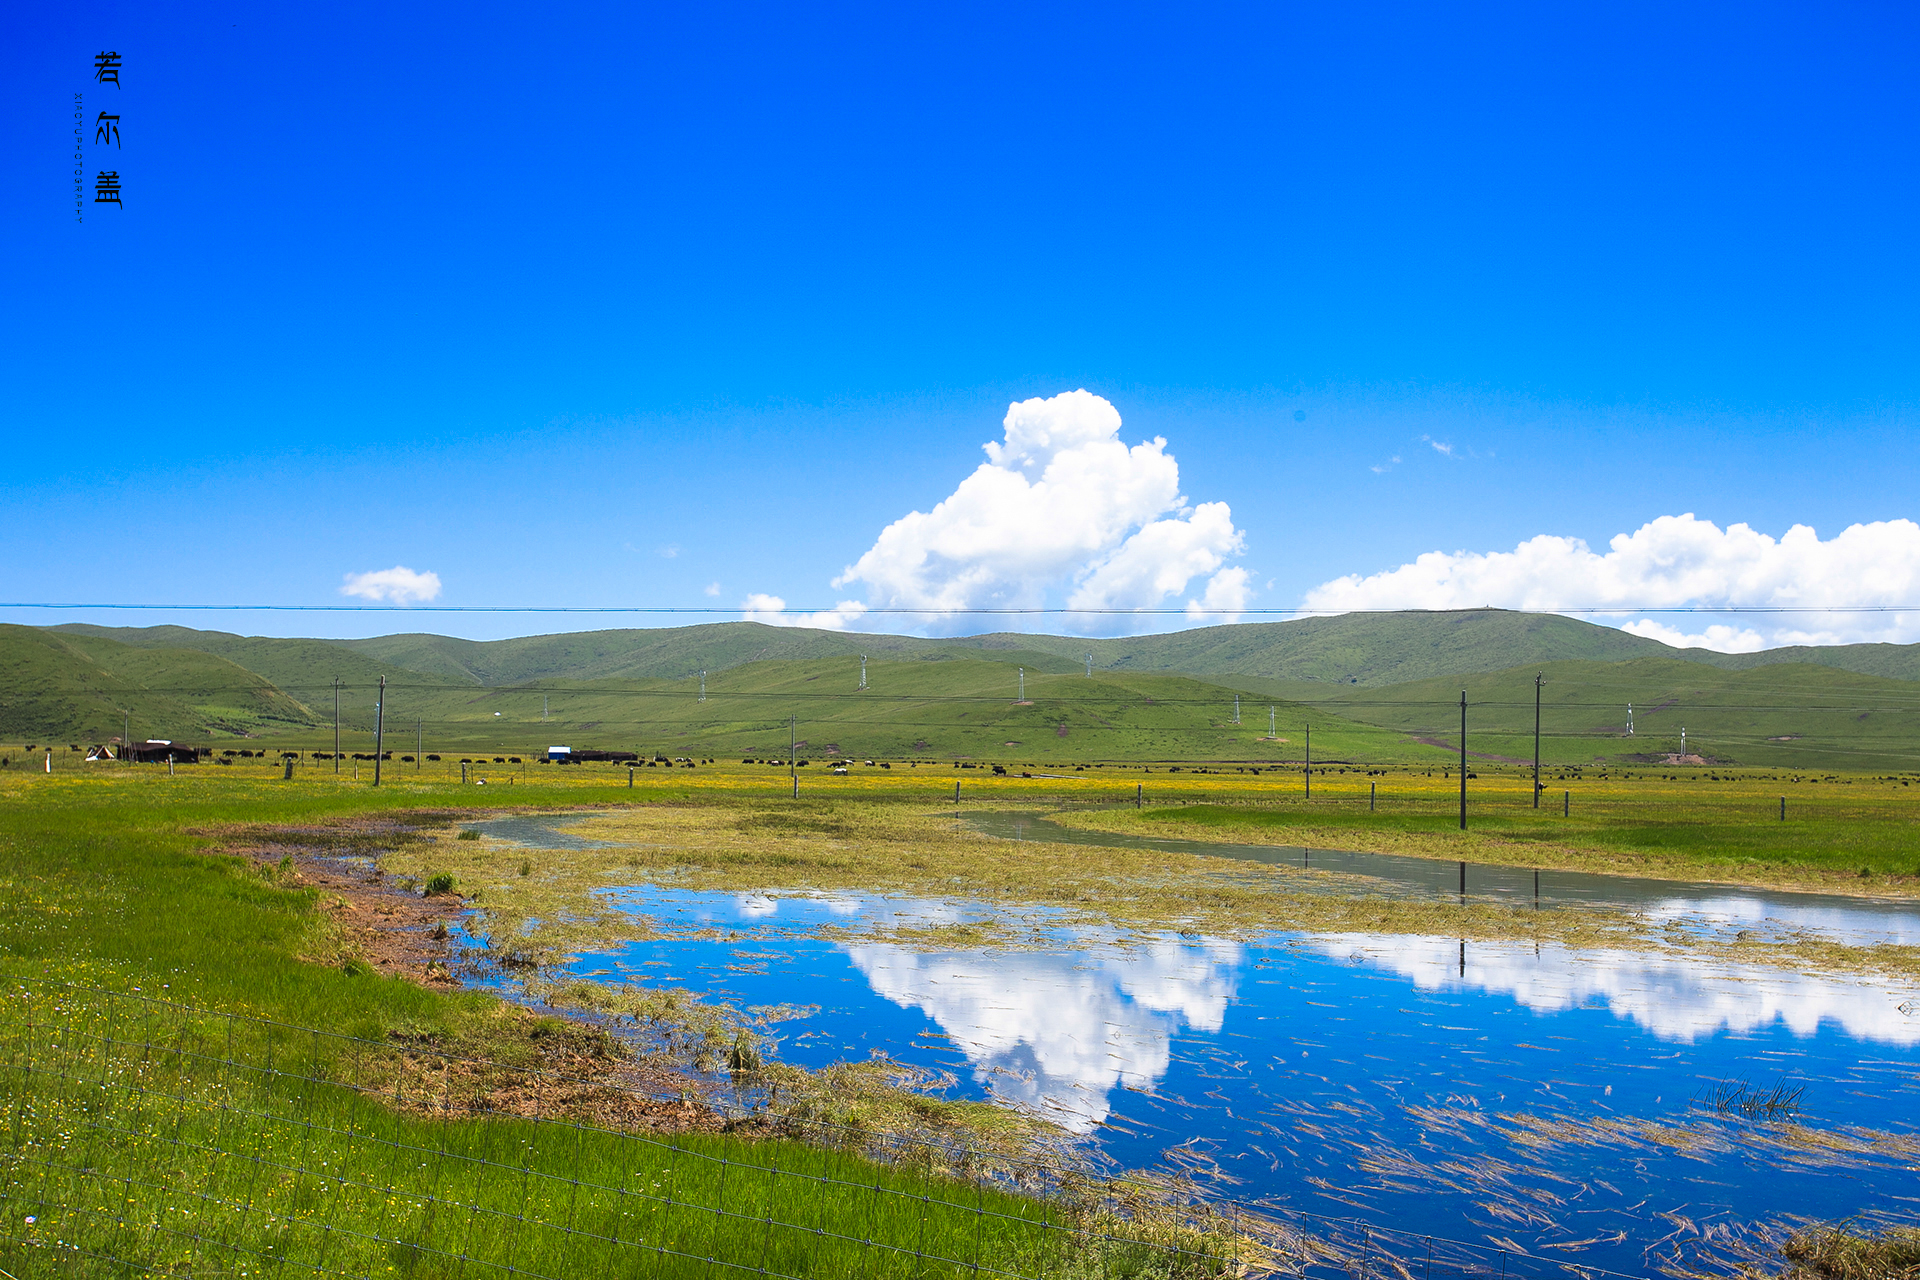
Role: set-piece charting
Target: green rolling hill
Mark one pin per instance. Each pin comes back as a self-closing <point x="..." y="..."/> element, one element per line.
<point x="1891" y="661"/>
<point x="75" y="687"/>
<point x="960" y="707"/>
<point x="1379" y="686"/>
<point x="1369" y="650"/>
<point x="1365" y="649"/>
<point x="1772" y="716"/>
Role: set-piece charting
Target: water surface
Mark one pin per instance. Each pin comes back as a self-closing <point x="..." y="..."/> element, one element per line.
<point x="1546" y="1099"/>
<point x="1862" y="921"/>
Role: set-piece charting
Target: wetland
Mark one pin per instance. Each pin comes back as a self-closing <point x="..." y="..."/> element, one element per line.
<point x="1633" y="1074"/>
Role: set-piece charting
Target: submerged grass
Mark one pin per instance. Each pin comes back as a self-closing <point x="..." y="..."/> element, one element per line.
<point x="851" y="847"/>
<point x="1834" y="843"/>
<point x="907" y="853"/>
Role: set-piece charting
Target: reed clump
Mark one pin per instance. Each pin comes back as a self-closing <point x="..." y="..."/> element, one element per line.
<point x="1848" y="1251"/>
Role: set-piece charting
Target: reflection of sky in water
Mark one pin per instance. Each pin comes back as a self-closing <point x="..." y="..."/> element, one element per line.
<point x="1337" y="1073"/>
<point x="1058" y="1032"/>
<point x="1700" y="906"/>
<point x="1671" y="996"/>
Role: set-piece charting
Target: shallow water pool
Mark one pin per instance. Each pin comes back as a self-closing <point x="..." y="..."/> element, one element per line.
<point x="1584" y="1105"/>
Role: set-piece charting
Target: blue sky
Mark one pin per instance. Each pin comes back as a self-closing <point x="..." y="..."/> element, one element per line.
<point x="623" y="306"/>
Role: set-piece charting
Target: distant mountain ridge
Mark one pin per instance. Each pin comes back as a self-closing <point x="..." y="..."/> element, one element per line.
<point x="1368" y="650"/>
<point x="1391" y="682"/>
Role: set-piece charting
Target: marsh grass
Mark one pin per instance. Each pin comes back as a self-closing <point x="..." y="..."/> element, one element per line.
<point x="1837" y="843"/>
<point x="124" y="883"/>
<point x="1726" y="1096"/>
<point x="1852" y="1251"/>
<point x="908" y="853"/>
<point x="1035" y="889"/>
<point x="146" y="1138"/>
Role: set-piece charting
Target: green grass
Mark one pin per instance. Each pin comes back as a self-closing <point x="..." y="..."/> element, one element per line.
<point x="75" y="688"/>
<point x="143" y="1138"/>
<point x="941" y="706"/>
<point x="1663" y="832"/>
<point x="1380" y="688"/>
<point x="1371" y="648"/>
<point x="107" y="883"/>
<point x="1775" y="716"/>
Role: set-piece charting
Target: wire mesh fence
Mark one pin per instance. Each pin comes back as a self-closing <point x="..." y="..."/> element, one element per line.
<point x="149" y="1138"/>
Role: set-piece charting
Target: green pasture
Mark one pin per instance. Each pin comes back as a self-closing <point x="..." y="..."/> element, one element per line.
<point x="1767" y="717"/>
<point x="1156" y="698"/>
<point x="144" y="1139"/>
<point x="176" y="1147"/>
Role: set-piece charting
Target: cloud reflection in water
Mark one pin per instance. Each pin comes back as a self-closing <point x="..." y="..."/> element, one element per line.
<point x="1675" y="997"/>
<point x="1057" y="1032"/>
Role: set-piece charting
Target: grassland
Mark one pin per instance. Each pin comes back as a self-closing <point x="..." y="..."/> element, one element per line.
<point x="115" y="881"/>
<point x="1770" y="717"/>
<point x="81" y="686"/>
<point x="151" y="1140"/>
<point x="960" y="699"/>
<point x="1850" y="833"/>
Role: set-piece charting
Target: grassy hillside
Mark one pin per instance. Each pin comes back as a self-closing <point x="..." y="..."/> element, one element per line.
<point x="1369" y="650"/>
<point x="1784" y="716"/>
<point x="302" y="669"/>
<point x="1365" y="649"/>
<point x="955" y="707"/>
<point x="941" y="703"/>
<point x="634" y="689"/>
<point x="1889" y="661"/>
<point x="648" y="653"/>
<point x="74" y="687"/>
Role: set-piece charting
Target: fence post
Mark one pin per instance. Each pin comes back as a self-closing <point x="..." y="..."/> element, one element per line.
<point x="1783" y="808"/>
<point x="1139" y="789"/>
<point x="1566" y="803"/>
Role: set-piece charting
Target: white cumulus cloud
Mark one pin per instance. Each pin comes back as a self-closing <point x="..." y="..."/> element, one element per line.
<point x="761" y="607"/>
<point x="1676" y="562"/>
<point x="1062" y="504"/>
<point x="398" y="585"/>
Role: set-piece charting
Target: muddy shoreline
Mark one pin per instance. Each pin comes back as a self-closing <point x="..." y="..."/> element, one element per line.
<point x="380" y="924"/>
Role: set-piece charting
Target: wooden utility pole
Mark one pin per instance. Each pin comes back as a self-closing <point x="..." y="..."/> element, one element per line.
<point x="379" y="730"/>
<point x="1536" y="738"/>
<point x="793" y="770"/>
<point x="336" y="724"/>
<point x="1463" y="761"/>
<point x="1309" y="762"/>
